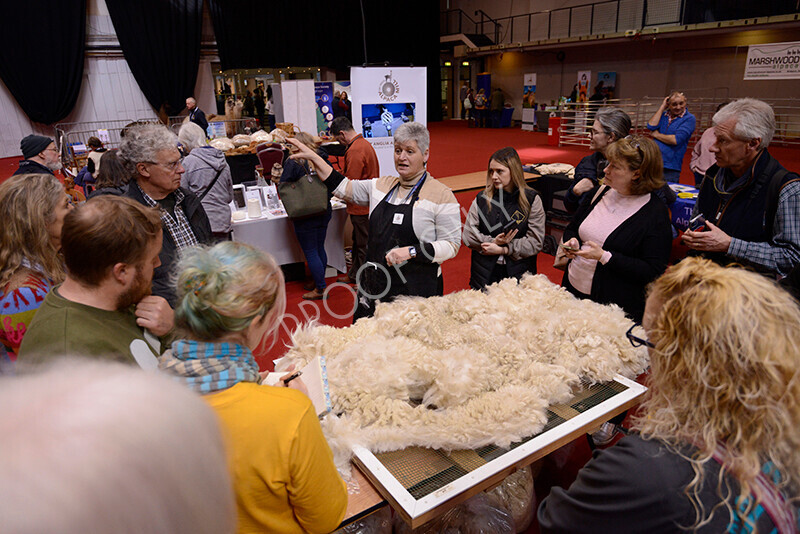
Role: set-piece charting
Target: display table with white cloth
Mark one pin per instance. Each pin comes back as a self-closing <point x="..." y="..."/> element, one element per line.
<point x="275" y="234"/>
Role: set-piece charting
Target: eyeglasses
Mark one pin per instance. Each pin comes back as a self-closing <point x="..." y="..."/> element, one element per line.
<point x="593" y="132"/>
<point x="635" y="144"/>
<point x="635" y="340"/>
<point x="171" y="166"/>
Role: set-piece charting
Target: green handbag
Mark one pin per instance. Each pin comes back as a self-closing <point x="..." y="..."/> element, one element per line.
<point x="306" y="197"/>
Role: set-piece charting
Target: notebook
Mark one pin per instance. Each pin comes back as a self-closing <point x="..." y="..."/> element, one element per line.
<point x="315" y="377"/>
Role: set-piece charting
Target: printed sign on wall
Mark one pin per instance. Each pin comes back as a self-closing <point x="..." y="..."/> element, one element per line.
<point x="607" y="82"/>
<point x="774" y="61"/>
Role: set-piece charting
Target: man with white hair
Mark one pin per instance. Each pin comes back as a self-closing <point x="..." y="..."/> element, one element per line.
<point x="103" y="447"/>
<point x="150" y="153"/>
<point x="749" y="201"/>
<point x="196" y="114"/>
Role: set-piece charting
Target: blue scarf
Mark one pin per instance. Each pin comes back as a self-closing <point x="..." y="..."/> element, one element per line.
<point x="208" y="367"/>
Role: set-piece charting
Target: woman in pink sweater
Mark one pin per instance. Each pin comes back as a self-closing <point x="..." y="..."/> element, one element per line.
<point x="620" y="241"/>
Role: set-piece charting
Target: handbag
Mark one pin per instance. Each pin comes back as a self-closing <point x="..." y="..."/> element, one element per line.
<point x="561" y="260"/>
<point x="467" y="103"/>
<point x="306" y="197"/>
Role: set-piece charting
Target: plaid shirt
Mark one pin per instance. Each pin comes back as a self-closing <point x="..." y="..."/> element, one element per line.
<point x="177" y="227"/>
<point x="670" y="118"/>
<point x="783" y="252"/>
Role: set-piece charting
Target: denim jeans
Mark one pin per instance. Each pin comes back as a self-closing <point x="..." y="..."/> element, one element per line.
<point x="311" y="236"/>
<point x="672" y="176"/>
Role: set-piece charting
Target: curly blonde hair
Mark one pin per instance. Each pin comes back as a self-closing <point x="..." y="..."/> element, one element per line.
<point x="27" y="207"/>
<point x="222" y="289"/>
<point x="725" y="370"/>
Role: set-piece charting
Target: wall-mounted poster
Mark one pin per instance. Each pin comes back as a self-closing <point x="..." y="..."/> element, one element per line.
<point x="528" y="101"/>
<point x="607" y="84"/>
<point x="773" y="61"/>
<point x="584" y="80"/>
<point x="383" y="99"/>
<point x="323" y="92"/>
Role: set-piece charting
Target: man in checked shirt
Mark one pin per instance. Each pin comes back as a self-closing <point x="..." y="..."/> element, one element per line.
<point x="150" y="153"/>
<point x="750" y="203"/>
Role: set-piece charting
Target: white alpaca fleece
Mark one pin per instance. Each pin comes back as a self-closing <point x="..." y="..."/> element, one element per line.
<point x="464" y="370"/>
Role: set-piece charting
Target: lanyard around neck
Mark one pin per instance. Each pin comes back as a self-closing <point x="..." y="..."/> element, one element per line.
<point x="410" y="193"/>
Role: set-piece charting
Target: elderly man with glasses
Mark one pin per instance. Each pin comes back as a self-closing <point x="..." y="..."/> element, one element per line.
<point x="41" y="155"/>
<point x="151" y="155"/>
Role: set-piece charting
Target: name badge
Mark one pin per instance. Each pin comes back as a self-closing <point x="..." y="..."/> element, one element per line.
<point x="398" y="218"/>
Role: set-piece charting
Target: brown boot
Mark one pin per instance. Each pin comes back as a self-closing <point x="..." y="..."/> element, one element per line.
<point x="316" y="294"/>
<point x="345" y="279"/>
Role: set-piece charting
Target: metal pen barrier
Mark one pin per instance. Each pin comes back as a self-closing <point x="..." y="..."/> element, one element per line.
<point x="577" y="118"/>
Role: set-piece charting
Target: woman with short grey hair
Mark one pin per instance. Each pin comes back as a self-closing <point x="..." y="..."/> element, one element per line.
<point x="414" y="222"/>
<point x="209" y="177"/>
<point x="610" y="124"/>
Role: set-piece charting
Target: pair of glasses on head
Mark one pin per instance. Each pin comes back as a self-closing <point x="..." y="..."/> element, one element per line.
<point x="635" y="144"/>
<point x="172" y="166"/>
<point x="635" y="340"/>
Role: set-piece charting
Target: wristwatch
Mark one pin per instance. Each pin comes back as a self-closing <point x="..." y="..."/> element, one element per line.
<point x="412" y="251"/>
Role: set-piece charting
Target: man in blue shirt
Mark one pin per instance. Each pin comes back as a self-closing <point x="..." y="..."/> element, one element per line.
<point x="672" y="126"/>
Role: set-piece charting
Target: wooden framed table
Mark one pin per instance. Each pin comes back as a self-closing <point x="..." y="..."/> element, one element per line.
<point x="363" y="501"/>
<point x="421" y="484"/>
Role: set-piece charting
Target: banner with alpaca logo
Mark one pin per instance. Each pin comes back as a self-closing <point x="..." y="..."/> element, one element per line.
<point x="384" y="98"/>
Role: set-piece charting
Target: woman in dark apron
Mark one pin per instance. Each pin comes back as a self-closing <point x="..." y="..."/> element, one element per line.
<point x="414" y="222"/>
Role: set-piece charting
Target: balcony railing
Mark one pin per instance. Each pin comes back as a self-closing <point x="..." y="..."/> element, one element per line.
<point x="598" y="18"/>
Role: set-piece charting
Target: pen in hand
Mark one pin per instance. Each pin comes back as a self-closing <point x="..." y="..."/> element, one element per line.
<point x="289" y="379"/>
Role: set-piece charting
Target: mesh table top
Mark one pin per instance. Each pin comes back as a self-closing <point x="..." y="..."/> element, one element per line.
<point x="423" y="471"/>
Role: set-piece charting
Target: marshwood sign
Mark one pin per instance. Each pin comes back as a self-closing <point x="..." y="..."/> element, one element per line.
<point x="774" y="61"/>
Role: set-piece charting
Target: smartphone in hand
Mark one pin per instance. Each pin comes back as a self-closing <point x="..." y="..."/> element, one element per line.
<point x="567" y="247"/>
<point x="698" y="224"/>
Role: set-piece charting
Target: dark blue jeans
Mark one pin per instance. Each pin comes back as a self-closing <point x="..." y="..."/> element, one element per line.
<point x="672" y="176"/>
<point x="311" y="236"/>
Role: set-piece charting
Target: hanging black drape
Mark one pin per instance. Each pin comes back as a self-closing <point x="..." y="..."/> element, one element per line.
<point x="305" y="33"/>
<point x="161" y="43"/>
<point x="41" y="55"/>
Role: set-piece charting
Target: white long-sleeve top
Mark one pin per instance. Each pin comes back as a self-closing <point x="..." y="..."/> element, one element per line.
<point x="436" y="215"/>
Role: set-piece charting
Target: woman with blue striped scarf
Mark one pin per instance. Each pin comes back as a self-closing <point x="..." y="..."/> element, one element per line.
<point x="230" y="297"/>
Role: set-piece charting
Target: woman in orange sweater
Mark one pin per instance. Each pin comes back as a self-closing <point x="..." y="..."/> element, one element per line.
<point x="230" y="297"/>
